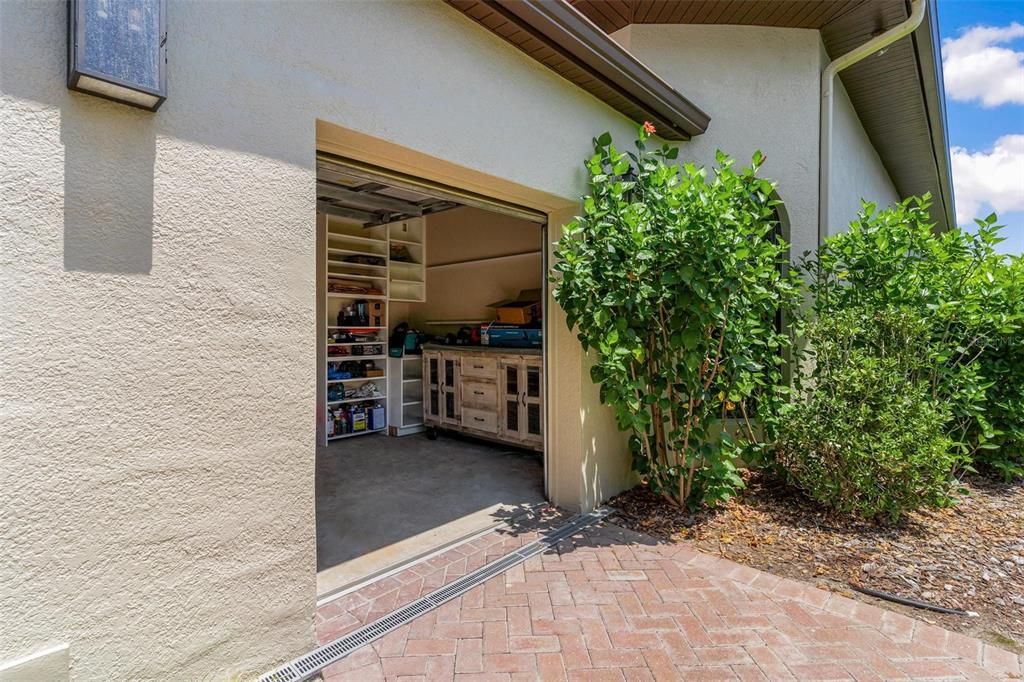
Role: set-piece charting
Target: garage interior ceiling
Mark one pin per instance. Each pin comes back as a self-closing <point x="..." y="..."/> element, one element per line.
<point x="339" y="192"/>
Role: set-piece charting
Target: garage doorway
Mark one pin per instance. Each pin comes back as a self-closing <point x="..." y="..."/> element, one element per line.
<point x="430" y="389"/>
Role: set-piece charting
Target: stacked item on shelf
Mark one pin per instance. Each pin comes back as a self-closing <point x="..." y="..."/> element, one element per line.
<point x="342" y="370"/>
<point x="364" y="417"/>
<point x="336" y="285"/>
<point x="518" y="323"/>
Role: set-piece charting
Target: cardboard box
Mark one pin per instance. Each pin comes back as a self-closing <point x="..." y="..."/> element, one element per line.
<point x="523" y="309"/>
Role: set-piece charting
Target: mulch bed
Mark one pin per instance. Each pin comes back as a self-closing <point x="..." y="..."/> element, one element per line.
<point x="970" y="557"/>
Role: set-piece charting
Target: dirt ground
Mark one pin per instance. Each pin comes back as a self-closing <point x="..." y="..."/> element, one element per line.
<point x="970" y="557"/>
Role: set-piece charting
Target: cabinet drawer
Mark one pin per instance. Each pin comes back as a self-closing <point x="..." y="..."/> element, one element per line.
<point x="481" y="420"/>
<point x="483" y="368"/>
<point x="480" y="395"/>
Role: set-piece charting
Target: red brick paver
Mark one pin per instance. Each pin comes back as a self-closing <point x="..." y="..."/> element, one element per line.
<point x="615" y="605"/>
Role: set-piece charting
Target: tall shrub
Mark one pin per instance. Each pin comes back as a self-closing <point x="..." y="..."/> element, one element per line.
<point x="967" y="295"/>
<point x="673" y="280"/>
<point x="866" y="436"/>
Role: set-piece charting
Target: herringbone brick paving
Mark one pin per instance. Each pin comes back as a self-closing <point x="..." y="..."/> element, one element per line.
<point x="615" y="605"/>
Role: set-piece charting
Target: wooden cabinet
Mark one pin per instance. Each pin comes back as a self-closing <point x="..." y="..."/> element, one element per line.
<point x="522" y="400"/>
<point x="489" y="394"/>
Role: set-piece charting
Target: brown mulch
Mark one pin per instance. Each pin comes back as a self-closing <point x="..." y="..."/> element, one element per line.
<point x="969" y="557"/>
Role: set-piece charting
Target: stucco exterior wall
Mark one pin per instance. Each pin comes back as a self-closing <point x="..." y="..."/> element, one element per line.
<point x="157" y="389"/>
<point x="857" y="171"/>
<point x="158" y="310"/>
<point x="760" y="87"/>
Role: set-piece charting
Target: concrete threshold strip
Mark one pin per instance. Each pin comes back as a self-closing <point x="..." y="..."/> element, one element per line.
<point x="533" y="512"/>
<point x="310" y="664"/>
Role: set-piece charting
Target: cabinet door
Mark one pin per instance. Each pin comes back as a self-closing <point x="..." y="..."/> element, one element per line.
<point x="531" y="427"/>
<point x="451" y="407"/>
<point x="509" y="389"/>
<point x="433" y="396"/>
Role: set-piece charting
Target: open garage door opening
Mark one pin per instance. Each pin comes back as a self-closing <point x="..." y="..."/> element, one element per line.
<point x="431" y="368"/>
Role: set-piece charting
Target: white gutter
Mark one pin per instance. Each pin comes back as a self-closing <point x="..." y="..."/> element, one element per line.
<point x="828" y="78"/>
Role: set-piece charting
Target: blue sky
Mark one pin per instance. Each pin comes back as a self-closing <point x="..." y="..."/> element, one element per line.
<point x="983" y="61"/>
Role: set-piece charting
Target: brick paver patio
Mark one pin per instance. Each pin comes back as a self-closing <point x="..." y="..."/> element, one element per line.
<point x="614" y="605"/>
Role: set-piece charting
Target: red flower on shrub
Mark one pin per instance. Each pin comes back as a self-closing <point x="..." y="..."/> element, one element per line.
<point x="649" y="128"/>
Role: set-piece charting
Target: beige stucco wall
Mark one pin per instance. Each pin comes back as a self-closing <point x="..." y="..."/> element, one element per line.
<point x="760" y="87"/>
<point x="158" y="310"/>
<point x="857" y="172"/>
<point x="157" y="385"/>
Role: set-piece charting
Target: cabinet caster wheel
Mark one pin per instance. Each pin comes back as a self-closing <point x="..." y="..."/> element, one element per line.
<point x="431" y="434"/>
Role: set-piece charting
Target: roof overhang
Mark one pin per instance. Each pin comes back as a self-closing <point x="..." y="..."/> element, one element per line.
<point x="898" y="95"/>
<point x="562" y="38"/>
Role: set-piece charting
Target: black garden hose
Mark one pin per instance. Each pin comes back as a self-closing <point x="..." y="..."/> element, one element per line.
<point x="910" y="602"/>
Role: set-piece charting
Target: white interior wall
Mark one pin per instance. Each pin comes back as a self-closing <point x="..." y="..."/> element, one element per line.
<point x="463" y="292"/>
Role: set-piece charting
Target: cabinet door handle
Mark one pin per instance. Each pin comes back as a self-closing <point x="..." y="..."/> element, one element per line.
<point x="478" y="392"/>
<point x="522" y="397"/>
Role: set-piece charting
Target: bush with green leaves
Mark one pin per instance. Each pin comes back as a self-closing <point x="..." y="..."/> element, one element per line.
<point x="967" y="294"/>
<point x="673" y="280"/>
<point x="867" y="436"/>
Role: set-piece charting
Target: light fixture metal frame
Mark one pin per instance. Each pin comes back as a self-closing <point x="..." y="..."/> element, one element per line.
<point x="76" y="40"/>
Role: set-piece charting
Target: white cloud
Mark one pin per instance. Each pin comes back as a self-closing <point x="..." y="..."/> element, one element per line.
<point x="989" y="181"/>
<point x="977" y="68"/>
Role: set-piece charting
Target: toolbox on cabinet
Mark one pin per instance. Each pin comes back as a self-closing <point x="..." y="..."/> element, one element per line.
<point x="510" y="336"/>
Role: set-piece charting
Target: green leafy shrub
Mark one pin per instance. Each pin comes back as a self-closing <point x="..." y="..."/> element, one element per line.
<point x="970" y="298"/>
<point x="674" y="280"/>
<point x="869" y="438"/>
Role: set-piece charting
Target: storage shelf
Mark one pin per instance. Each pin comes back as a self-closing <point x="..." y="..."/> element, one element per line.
<point x="346" y="358"/>
<point x="407" y="242"/>
<point x="349" y="381"/>
<point x="345" y="275"/>
<point x="368" y="297"/>
<point x="357" y="433"/>
<point x="412" y="402"/>
<point x="353" y="327"/>
<point x="415" y="379"/>
<point x="407" y="281"/>
<point x="356" y="238"/>
<point x="353" y="252"/>
<point x="354" y="343"/>
<point x="408" y="300"/>
<point x="346" y="264"/>
<point x="356" y="400"/>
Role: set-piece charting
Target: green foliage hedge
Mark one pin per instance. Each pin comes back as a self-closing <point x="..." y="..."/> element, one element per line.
<point x="673" y="280"/>
<point x="911" y="369"/>
<point x="867" y="437"/>
<point x="969" y="298"/>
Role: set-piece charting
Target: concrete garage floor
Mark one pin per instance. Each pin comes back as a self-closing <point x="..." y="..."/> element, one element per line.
<point x="381" y="501"/>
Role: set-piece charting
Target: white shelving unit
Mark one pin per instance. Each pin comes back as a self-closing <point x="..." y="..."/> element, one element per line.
<point x="407" y="259"/>
<point x="405" y="386"/>
<point x="352" y="266"/>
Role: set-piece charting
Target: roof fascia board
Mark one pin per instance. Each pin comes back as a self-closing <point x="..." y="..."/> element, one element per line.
<point x="927" y="46"/>
<point x="560" y="25"/>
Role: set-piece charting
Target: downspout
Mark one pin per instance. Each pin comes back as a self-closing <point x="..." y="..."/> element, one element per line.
<point x="828" y="78"/>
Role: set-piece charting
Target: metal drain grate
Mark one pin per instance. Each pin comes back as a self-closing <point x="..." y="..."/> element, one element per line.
<point x="308" y="665"/>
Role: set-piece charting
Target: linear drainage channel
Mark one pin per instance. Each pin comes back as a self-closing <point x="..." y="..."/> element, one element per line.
<point x="310" y="664"/>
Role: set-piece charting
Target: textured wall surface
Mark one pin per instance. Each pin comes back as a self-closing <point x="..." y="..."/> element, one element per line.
<point x="857" y="172"/>
<point x="157" y="314"/>
<point x="158" y="372"/>
<point x="760" y="86"/>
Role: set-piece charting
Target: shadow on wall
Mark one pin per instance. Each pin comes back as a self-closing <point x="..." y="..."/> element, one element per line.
<point x="109" y="159"/>
<point x="109" y="148"/>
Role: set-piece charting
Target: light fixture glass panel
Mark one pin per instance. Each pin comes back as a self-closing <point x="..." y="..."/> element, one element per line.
<point x="121" y="38"/>
<point x="117" y="92"/>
